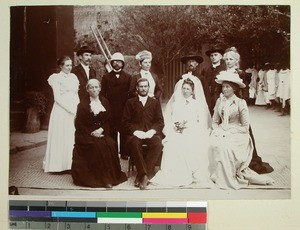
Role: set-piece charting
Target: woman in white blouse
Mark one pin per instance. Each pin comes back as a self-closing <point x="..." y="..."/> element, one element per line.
<point x="61" y="130"/>
<point x="145" y="58"/>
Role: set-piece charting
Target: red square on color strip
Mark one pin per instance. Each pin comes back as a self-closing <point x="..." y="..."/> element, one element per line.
<point x="197" y="218"/>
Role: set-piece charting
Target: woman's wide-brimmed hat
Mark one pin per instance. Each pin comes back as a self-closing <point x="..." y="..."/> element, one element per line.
<point x="85" y="49"/>
<point x="145" y="54"/>
<point x="214" y="49"/>
<point x="231" y="77"/>
<point x="194" y="56"/>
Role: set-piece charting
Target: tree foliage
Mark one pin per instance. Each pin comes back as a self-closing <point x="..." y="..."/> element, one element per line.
<point x="168" y="31"/>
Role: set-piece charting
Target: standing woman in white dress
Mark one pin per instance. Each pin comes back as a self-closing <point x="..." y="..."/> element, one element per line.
<point x="185" y="154"/>
<point x="61" y="131"/>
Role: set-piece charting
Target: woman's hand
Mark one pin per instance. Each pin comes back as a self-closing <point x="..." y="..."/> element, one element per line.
<point x="97" y="133"/>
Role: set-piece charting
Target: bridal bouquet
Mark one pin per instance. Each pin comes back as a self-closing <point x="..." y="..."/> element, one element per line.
<point x="180" y="126"/>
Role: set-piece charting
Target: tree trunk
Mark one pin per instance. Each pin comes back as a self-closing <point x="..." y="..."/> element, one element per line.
<point x="33" y="122"/>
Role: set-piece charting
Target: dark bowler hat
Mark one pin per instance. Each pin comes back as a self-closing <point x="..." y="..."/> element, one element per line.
<point x="214" y="49"/>
<point x="194" y="56"/>
<point x="85" y="49"/>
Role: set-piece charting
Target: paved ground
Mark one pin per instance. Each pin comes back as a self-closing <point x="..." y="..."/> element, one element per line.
<point x="272" y="134"/>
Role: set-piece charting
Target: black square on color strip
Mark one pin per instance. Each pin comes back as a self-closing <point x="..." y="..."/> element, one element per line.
<point x="136" y="209"/>
<point x="156" y="209"/>
<point x="116" y="209"/>
<point x="77" y="219"/>
<point x="37" y="208"/>
<point x="196" y="209"/>
<point x="18" y="208"/>
<point x="76" y="209"/>
<point x="176" y="209"/>
<point x="96" y="209"/>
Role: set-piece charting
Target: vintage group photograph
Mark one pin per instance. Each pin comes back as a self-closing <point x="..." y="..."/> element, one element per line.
<point x="150" y="102"/>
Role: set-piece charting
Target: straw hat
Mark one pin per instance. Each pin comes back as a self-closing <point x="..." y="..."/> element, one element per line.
<point x="231" y="77"/>
<point x="145" y="54"/>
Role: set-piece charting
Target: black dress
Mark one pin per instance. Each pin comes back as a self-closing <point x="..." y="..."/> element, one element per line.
<point x="95" y="160"/>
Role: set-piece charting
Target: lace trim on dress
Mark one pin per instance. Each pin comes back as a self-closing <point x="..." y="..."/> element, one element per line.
<point x="96" y="106"/>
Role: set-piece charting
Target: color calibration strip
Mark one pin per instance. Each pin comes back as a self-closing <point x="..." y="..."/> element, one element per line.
<point x="75" y="215"/>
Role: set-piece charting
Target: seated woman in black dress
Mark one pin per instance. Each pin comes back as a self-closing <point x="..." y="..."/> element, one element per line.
<point x="95" y="156"/>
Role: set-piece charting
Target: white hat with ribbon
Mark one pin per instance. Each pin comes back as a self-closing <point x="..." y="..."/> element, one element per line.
<point x="231" y="77"/>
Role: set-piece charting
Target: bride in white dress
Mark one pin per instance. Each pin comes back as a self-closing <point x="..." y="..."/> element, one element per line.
<point x="187" y="126"/>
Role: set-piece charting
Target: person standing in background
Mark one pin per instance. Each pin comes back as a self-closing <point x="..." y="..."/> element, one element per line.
<point x="115" y="88"/>
<point x="215" y="54"/>
<point x="145" y="58"/>
<point x="83" y="71"/>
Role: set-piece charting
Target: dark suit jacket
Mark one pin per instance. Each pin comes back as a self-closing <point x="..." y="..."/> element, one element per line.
<point x="116" y="91"/>
<point x="81" y="75"/>
<point x="139" y="117"/>
<point x="157" y="90"/>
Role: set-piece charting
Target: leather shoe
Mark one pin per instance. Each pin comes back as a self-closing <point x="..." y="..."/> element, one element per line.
<point x="144" y="183"/>
<point x="136" y="182"/>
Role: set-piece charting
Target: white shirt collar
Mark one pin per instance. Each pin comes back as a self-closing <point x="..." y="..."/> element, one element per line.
<point x="143" y="99"/>
<point x="216" y="65"/>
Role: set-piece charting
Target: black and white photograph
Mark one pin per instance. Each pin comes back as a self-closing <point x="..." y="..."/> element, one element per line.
<point x="179" y="102"/>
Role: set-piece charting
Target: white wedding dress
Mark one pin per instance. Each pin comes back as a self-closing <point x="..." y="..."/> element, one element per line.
<point x="185" y="155"/>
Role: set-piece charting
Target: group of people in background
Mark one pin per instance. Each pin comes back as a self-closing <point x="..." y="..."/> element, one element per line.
<point x="203" y="136"/>
<point x="270" y="86"/>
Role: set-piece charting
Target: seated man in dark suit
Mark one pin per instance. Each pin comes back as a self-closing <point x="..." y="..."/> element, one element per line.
<point x="142" y="124"/>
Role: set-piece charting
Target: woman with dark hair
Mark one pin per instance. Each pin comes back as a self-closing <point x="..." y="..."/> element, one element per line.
<point x="232" y="60"/>
<point x="231" y="143"/>
<point x="61" y="130"/>
<point x="186" y="146"/>
<point x="95" y="157"/>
